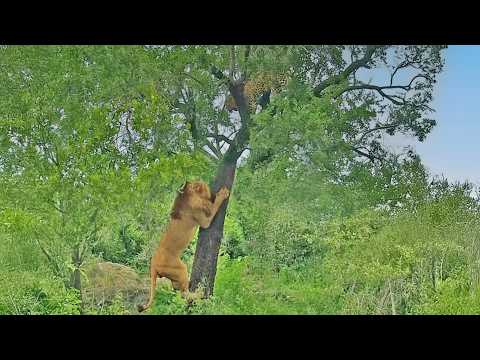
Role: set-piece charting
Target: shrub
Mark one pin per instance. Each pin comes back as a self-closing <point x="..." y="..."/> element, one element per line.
<point x="36" y="293"/>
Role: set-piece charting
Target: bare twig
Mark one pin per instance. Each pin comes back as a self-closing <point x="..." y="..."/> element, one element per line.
<point x="212" y="148"/>
<point x="382" y="127"/>
<point x="402" y="65"/>
<point x="232" y="63"/>
<point x="379" y="89"/>
<point x="371" y="157"/>
<point x="246" y="57"/>
<point x="354" y="66"/>
<point x="219" y="137"/>
<point x="210" y="155"/>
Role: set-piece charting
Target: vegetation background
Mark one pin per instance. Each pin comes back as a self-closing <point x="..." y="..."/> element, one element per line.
<point x="323" y="218"/>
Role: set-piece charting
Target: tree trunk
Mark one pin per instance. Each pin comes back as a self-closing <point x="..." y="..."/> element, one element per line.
<point x="55" y="267"/>
<point x="392" y="298"/>
<point x="76" y="280"/>
<point x="208" y="245"/>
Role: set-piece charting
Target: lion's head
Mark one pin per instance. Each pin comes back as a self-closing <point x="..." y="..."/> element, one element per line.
<point x="199" y="188"/>
<point x="185" y="195"/>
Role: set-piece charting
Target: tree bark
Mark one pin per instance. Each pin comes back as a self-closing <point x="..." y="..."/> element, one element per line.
<point x="205" y="261"/>
<point x="392" y="298"/>
<point x="56" y="268"/>
<point x="76" y="280"/>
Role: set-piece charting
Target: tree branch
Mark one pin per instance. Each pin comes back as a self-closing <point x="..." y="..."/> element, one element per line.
<point x="371" y="157"/>
<point x="232" y="63"/>
<point x="418" y="76"/>
<point x="220" y="137"/>
<point x="382" y="127"/>
<point x="51" y="260"/>
<point x="213" y="149"/>
<point x="93" y="233"/>
<point x="243" y="134"/>
<point x="395" y="99"/>
<point x="236" y="89"/>
<point x="354" y="66"/>
<point x="246" y="57"/>
<point x="379" y="89"/>
<point x="210" y="155"/>
<point x="217" y="73"/>
<point x="247" y="52"/>
<point x="190" y="116"/>
<point x="402" y="65"/>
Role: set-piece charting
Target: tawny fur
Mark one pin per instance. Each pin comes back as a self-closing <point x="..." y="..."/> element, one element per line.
<point x="194" y="206"/>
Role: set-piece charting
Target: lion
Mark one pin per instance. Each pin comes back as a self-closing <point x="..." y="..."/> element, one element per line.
<point x="194" y="206"/>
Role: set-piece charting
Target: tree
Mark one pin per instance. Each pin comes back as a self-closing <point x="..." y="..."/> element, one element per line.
<point x="325" y="86"/>
<point x="66" y="131"/>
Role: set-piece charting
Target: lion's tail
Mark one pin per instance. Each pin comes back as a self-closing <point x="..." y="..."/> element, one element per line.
<point x="153" y="284"/>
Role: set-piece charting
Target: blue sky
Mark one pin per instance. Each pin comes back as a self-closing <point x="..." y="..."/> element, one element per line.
<point x="453" y="148"/>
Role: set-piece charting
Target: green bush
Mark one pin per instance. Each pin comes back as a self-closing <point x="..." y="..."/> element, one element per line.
<point x="35" y="293"/>
<point x="285" y="239"/>
<point x="233" y="242"/>
<point x="168" y="302"/>
<point x="393" y="265"/>
<point x="241" y="288"/>
<point x="452" y="297"/>
<point x="121" y="244"/>
<point x="115" y="307"/>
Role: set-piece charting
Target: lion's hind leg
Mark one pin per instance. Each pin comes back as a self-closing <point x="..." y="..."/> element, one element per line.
<point x="180" y="282"/>
<point x="179" y="277"/>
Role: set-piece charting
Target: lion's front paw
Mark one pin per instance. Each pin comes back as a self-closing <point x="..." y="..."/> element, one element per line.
<point x="223" y="192"/>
